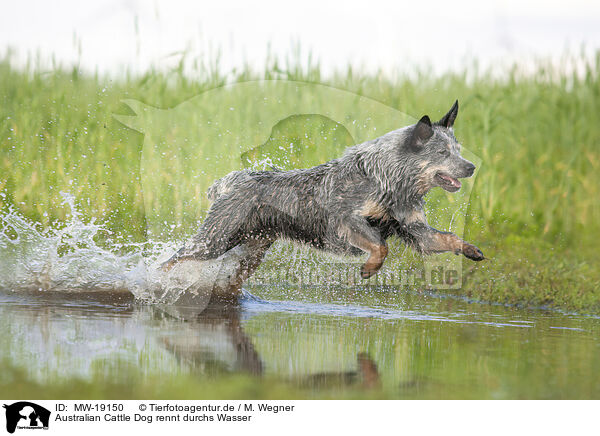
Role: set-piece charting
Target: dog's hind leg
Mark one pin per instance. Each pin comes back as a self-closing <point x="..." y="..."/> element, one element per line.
<point x="203" y="246"/>
<point x="257" y="249"/>
<point x="223" y="229"/>
<point x="358" y="233"/>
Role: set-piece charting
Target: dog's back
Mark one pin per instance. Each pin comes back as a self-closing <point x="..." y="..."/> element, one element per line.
<point x="225" y="185"/>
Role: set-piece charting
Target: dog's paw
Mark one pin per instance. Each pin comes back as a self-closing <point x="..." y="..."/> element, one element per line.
<point x="472" y="252"/>
<point x="366" y="272"/>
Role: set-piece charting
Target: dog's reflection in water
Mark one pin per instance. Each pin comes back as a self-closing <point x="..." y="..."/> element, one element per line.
<point x="215" y="343"/>
<point x="366" y="376"/>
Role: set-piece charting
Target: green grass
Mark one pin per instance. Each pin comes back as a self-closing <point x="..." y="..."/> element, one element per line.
<point x="534" y="207"/>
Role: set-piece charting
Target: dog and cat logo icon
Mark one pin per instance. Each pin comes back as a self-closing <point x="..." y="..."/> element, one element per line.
<point x="26" y="415"/>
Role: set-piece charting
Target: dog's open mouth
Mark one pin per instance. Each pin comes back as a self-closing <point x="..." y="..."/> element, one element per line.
<point x="447" y="182"/>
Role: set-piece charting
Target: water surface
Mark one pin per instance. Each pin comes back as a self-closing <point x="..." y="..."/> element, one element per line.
<point x="404" y="344"/>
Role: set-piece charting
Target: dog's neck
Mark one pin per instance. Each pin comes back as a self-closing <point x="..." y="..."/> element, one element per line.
<point x="398" y="182"/>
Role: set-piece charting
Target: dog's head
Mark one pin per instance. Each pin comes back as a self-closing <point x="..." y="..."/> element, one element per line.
<point x="436" y="152"/>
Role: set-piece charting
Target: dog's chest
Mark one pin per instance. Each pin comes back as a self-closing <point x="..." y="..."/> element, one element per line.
<point x="374" y="210"/>
<point x="371" y="209"/>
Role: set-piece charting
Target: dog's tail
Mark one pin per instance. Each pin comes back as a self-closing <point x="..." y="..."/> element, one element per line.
<point x="226" y="184"/>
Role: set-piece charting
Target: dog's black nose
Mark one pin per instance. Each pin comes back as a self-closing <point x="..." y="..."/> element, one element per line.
<point x="470" y="169"/>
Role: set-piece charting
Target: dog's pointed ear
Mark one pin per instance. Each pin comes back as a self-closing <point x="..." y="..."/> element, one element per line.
<point x="448" y="119"/>
<point x="421" y="133"/>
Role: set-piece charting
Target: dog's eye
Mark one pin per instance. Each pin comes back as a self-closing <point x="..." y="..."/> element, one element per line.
<point x="444" y="152"/>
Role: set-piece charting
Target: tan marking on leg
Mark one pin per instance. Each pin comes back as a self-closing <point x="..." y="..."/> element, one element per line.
<point x="377" y="254"/>
<point x="447" y="242"/>
<point x="442" y="242"/>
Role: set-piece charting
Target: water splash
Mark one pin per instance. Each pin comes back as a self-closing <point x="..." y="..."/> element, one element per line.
<point x="68" y="258"/>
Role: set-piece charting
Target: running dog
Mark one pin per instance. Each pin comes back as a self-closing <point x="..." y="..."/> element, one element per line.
<point x="350" y="205"/>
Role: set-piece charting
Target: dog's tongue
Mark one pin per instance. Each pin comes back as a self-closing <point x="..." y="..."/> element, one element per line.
<point x="452" y="181"/>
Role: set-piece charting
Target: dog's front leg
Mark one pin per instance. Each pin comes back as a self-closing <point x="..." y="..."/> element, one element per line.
<point x="428" y="240"/>
<point x="357" y="232"/>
